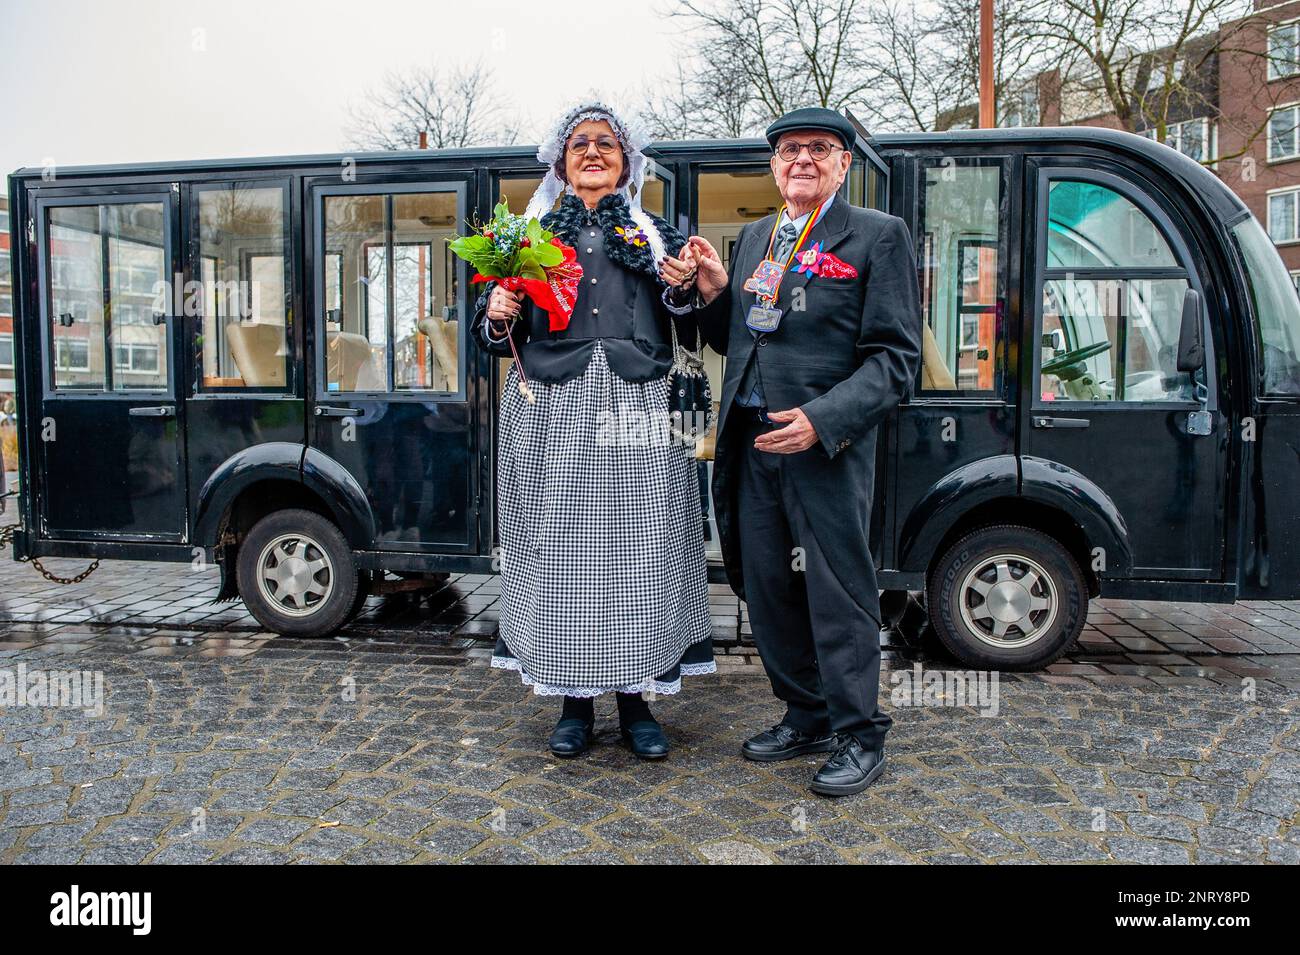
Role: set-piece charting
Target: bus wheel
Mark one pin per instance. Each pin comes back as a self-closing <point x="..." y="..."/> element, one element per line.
<point x="296" y="574"/>
<point x="365" y="586"/>
<point x="1007" y="598"/>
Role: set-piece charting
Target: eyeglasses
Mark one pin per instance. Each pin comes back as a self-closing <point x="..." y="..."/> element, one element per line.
<point x="818" y="149"/>
<point x="604" y="144"/>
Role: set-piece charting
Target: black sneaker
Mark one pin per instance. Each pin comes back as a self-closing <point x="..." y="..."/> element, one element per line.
<point x="783" y="741"/>
<point x="850" y="770"/>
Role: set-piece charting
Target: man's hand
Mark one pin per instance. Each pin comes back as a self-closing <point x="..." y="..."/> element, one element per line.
<point x="711" y="276"/>
<point x="679" y="272"/>
<point x="798" y="435"/>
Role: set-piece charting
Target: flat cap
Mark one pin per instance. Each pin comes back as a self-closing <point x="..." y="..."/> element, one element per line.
<point x="813" y="117"/>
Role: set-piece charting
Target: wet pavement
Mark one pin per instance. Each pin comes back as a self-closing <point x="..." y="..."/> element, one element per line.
<point x="1168" y="735"/>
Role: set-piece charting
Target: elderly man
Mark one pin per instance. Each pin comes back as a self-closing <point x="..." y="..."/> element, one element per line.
<point x="820" y="321"/>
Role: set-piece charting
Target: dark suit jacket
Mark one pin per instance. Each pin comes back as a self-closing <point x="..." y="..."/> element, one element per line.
<point x="847" y="354"/>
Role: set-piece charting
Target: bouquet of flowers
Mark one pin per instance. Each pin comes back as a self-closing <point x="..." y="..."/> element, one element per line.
<point x="520" y="255"/>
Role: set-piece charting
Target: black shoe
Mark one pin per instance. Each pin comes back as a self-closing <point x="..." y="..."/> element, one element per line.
<point x="647" y="739"/>
<point x="571" y="737"/>
<point x="783" y="741"/>
<point x="851" y="770"/>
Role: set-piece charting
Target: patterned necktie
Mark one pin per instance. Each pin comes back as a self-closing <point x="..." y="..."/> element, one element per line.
<point x="785" y="237"/>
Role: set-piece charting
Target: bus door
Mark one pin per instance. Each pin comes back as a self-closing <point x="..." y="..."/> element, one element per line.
<point x="110" y="445"/>
<point x="390" y="309"/>
<point x="961" y="412"/>
<point x="1113" y="278"/>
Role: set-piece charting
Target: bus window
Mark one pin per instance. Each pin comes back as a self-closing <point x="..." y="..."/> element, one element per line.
<point x="243" y="249"/>
<point x="390" y="293"/>
<point x="1112" y="301"/>
<point x="107" y="278"/>
<point x="961" y="238"/>
<point x="1276" y="307"/>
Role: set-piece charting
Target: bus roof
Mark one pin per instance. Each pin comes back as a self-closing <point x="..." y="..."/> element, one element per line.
<point x="1196" y="177"/>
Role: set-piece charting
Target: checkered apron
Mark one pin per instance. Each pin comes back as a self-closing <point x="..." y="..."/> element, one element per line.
<point x="603" y="576"/>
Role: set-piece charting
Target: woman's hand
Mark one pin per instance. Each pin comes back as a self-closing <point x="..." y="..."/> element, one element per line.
<point x="502" y="309"/>
<point x="679" y="272"/>
<point x="711" y="275"/>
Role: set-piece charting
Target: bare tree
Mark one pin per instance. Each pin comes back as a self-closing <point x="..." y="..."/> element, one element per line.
<point x="453" y="108"/>
<point x="704" y="102"/>
<point x="896" y="64"/>
<point x="753" y="60"/>
<point x="1152" y="64"/>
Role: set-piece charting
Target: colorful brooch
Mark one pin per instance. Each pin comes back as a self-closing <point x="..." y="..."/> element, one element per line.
<point x="632" y="237"/>
<point x="814" y="261"/>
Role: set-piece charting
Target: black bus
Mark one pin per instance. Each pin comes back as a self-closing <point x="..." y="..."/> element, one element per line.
<point x="263" y="362"/>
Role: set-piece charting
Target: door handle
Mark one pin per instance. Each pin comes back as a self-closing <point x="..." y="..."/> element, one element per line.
<point x="160" y="411"/>
<point x="1041" y="421"/>
<point x="323" y="411"/>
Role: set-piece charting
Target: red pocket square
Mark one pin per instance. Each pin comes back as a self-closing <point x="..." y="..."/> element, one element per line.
<point x="814" y="261"/>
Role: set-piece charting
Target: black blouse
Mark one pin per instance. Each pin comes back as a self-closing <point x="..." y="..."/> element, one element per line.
<point x="620" y="303"/>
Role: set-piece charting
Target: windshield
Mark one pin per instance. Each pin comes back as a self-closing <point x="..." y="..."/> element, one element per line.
<point x="1277" y="309"/>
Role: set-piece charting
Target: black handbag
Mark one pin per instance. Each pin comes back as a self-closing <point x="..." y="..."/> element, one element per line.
<point x="690" y="402"/>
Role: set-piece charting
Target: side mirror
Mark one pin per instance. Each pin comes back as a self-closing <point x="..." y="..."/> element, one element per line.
<point x="1191" y="349"/>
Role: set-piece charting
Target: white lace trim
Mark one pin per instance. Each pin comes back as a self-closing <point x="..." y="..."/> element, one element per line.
<point x="649" y="684"/>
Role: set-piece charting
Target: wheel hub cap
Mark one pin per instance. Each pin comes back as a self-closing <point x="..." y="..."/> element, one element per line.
<point x="295" y="575"/>
<point x="1008" y="601"/>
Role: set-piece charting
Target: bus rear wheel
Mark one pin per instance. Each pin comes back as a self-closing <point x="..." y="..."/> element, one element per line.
<point x="296" y="574"/>
<point x="1007" y="597"/>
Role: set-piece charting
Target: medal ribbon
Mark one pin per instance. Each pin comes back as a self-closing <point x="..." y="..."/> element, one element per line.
<point x="798" y="244"/>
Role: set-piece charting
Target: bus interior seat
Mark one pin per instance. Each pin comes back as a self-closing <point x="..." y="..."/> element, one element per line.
<point x="935" y="375"/>
<point x="444" y="339"/>
<point x="258" y="351"/>
<point x="354" y="363"/>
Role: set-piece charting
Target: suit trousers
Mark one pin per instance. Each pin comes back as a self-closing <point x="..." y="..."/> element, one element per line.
<point x="821" y="650"/>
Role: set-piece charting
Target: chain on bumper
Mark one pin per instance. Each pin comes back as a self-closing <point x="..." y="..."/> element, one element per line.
<point x="7" y="536"/>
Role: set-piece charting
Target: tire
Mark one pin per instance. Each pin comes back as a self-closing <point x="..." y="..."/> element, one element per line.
<point x="1038" y="621"/>
<point x="308" y="604"/>
<point x="365" y="583"/>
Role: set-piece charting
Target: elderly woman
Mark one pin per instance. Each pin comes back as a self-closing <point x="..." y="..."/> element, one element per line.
<point x="603" y="578"/>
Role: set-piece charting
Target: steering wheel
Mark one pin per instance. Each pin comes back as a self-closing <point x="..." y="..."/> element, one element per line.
<point x="1061" y="362"/>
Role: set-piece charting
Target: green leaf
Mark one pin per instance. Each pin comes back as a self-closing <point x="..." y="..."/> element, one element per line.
<point x="468" y="245"/>
<point x="548" y="256"/>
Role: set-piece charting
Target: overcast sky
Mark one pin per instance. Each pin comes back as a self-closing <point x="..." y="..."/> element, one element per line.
<point x="143" y="80"/>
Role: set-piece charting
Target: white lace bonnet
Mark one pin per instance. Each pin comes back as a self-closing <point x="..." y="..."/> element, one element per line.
<point x="633" y="141"/>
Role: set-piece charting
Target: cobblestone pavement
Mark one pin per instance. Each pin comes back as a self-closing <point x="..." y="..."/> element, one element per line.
<point x="1168" y="736"/>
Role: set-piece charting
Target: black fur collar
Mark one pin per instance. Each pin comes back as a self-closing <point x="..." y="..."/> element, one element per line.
<point x="611" y="212"/>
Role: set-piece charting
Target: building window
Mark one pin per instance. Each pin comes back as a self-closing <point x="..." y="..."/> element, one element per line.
<point x="1191" y="137"/>
<point x="1295" y="280"/>
<point x="6" y="351"/>
<point x="1283" y="125"/>
<point x="1020" y="107"/>
<point x="1283" y="50"/>
<point x="1282" y="206"/>
<point x="1164" y="74"/>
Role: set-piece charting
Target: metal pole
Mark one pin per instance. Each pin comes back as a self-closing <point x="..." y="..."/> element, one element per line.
<point x="988" y="116"/>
